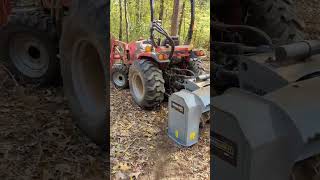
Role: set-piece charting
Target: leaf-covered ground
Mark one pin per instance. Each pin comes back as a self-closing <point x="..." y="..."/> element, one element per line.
<point x="141" y="148"/>
<point x="38" y="139"/>
<point x="308" y="11"/>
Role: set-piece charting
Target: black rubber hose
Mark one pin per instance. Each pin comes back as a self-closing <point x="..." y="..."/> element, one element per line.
<point x="236" y="28"/>
<point x="158" y="28"/>
<point x="164" y="33"/>
<point x="239" y="48"/>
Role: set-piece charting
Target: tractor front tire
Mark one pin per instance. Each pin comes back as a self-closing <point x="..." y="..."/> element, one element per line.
<point x="83" y="49"/>
<point x="146" y="84"/>
<point x="29" y="47"/>
<point x="119" y="76"/>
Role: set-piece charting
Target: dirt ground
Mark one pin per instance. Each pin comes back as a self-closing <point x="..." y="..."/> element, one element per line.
<point x="309" y="12"/>
<point x="38" y="139"/>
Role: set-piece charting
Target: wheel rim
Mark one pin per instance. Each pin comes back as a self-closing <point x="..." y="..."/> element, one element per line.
<point x="29" y="55"/>
<point x="88" y="78"/>
<point x="137" y="87"/>
<point x="119" y="79"/>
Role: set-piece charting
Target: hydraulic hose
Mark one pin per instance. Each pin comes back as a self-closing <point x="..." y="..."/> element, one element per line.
<point x="236" y="28"/>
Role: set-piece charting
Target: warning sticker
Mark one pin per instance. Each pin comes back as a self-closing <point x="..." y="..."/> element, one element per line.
<point x="225" y="149"/>
<point x="177" y="107"/>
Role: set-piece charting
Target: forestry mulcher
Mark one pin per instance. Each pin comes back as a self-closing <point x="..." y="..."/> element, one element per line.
<point x="265" y="122"/>
<point x="155" y="68"/>
<point x="42" y="38"/>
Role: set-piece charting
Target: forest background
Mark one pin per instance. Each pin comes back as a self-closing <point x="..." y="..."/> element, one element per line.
<point x="130" y="20"/>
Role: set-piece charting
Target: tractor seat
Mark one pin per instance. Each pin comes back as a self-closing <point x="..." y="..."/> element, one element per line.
<point x="175" y="40"/>
<point x="116" y="56"/>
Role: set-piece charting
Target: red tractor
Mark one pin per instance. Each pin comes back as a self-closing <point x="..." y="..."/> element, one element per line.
<point x="42" y="40"/>
<point x="154" y="68"/>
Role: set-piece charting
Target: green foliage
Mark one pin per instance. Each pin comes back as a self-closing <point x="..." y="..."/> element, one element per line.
<point x="139" y="20"/>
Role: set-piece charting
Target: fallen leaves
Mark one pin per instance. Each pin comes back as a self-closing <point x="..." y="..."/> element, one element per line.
<point x="39" y="140"/>
<point x="121" y="166"/>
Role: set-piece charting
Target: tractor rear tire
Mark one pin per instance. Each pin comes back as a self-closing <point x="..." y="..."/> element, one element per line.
<point x="278" y="18"/>
<point x="307" y="169"/>
<point x="119" y="76"/>
<point x="146" y="84"/>
<point x="196" y="66"/>
<point x="29" y="47"/>
<point x="83" y="48"/>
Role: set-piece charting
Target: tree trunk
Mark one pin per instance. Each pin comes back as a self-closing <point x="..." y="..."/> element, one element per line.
<point x="120" y="25"/>
<point x="127" y="19"/>
<point x="165" y="16"/>
<point x="161" y="10"/>
<point x="175" y="17"/>
<point x="138" y="11"/>
<point x="181" y="17"/>
<point x="191" y="27"/>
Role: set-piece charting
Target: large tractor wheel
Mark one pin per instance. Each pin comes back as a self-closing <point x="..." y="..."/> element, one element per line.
<point x="119" y="76"/>
<point x="307" y="169"/>
<point x="29" y="47"/>
<point x="83" y="49"/>
<point x="146" y="84"/>
<point x="278" y="18"/>
<point x="196" y="66"/>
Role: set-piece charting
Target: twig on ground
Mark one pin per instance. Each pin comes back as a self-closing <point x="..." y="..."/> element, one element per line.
<point x="10" y="74"/>
<point x="130" y="145"/>
<point x="3" y="81"/>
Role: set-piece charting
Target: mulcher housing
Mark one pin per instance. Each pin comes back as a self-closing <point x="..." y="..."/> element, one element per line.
<point x="266" y="78"/>
<point x="269" y="123"/>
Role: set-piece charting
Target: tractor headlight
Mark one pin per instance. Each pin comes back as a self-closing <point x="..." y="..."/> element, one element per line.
<point x="162" y="57"/>
<point x="200" y="53"/>
<point x="148" y="49"/>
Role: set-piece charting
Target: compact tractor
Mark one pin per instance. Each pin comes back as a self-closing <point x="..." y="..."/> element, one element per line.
<point x="155" y="69"/>
<point x="44" y="40"/>
<point x="266" y="103"/>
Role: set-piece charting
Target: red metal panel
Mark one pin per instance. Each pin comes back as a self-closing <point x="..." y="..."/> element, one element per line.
<point x="116" y="56"/>
<point x="132" y="47"/>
